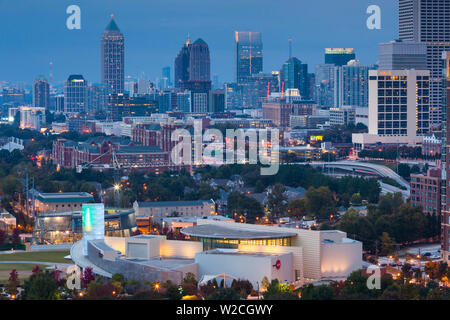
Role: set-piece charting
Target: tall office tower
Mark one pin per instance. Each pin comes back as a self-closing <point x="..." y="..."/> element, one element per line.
<point x="199" y="83"/>
<point x="182" y="65"/>
<point x="215" y="82"/>
<point x="325" y="84"/>
<point x="351" y="85"/>
<point x="41" y="93"/>
<point x="312" y="86"/>
<point x="445" y="193"/>
<point x="97" y="97"/>
<point x="58" y="103"/>
<point x="339" y="56"/>
<point x="113" y="58"/>
<point x="401" y="55"/>
<point x="294" y="74"/>
<point x="199" y="62"/>
<point x="165" y="78"/>
<point x="75" y="94"/>
<point x="428" y="21"/>
<point x="248" y="54"/>
<point x="398" y="108"/>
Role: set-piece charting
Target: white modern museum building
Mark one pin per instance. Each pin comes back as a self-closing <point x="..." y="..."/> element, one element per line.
<point x="225" y="249"/>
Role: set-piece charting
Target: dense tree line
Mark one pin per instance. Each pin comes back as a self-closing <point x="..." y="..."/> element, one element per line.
<point x="407" y="286"/>
<point x="298" y="176"/>
<point x="392" y="220"/>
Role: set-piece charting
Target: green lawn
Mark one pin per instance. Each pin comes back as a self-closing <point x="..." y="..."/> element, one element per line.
<point x="43" y="256"/>
<point x="4" y="276"/>
<point x="19" y="266"/>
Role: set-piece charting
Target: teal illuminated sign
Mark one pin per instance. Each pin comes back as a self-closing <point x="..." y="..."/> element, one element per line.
<point x="93" y="222"/>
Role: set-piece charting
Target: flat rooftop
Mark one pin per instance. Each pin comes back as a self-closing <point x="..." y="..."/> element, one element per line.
<point x="220" y="232"/>
<point x="65" y="197"/>
<point x="157" y="204"/>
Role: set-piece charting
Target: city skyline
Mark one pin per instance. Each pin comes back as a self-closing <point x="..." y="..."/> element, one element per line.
<point x="149" y="51"/>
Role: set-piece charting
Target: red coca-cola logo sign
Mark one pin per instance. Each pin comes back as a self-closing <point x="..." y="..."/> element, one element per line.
<point x="278" y="264"/>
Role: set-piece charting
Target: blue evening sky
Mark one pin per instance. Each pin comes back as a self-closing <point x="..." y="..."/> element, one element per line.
<point x="33" y="33"/>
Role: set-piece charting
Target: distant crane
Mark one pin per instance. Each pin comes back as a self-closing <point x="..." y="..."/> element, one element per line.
<point x="115" y="162"/>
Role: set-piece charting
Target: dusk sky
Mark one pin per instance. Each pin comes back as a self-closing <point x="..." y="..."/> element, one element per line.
<point x="33" y="33"/>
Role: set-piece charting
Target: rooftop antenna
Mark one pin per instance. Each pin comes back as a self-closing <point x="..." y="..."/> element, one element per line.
<point x="50" y="76"/>
<point x="290" y="48"/>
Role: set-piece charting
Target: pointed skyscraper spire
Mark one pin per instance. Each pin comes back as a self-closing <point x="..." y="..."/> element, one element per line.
<point x="290" y="48"/>
<point x="188" y="41"/>
<point x="112" y="25"/>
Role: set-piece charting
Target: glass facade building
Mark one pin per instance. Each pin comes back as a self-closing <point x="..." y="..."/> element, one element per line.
<point x="248" y="54"/>
<point x="75" y="95"/>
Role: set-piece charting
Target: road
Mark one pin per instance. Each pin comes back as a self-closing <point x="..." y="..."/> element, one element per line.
<point x="363" y="168"/>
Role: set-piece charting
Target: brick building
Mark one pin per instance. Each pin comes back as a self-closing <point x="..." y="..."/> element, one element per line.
<point x="99" y="152"/>
<point x="426" y="191"/>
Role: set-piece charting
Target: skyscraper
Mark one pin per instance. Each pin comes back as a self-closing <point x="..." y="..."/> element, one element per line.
<point x="401" y="55"/>
<point x="182" y="64"/>
<point x="427" y="21"/>
<point x="199" y="83"/>
<point x="75" y="94"/>
<point x="41" y="93"/>
<point x="113" y="58"/>
<point x="294" y="74"/>
<point x="445" y="194"/>
<point x="339" y="56"/>
<point x="199" y="62"/>
<point x="164" y="83"/>
<point x="97" y="97"/>
<point x="248" y="54"/>
<point x="325" y="84"/>
<point x="351" y="85"/>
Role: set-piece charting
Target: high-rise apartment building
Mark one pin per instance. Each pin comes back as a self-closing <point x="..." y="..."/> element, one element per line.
<point x="41" y="93"/>
<point x="399" y="105"/>
<point x="324" y="81"/>
<point x="248" y="54"/>
<point x="427" y="21"/>
<point x="351" y="85"/>
<point x="75" y="94"/>
<point x="113" y="58"/>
